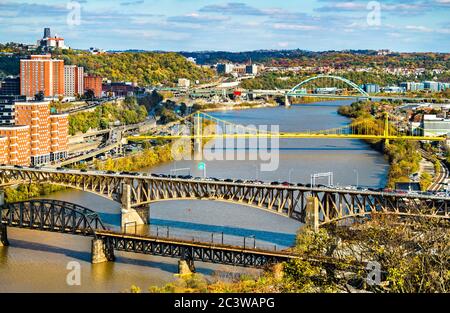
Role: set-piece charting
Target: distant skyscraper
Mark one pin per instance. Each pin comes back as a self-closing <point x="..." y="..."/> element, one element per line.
<point x="47" y="33"/>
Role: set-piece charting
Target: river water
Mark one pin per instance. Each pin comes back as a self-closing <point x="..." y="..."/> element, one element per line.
<point x="37" y="261"/>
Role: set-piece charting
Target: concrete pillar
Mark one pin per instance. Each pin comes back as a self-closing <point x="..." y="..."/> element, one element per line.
<point x="186" y="267"/>
<point x="198" y="128"/>
<point x="312" y="213"/>
<point x="131" y="215"/>
<point x="101" y="251"/>
<point x="286" y="101"/>
<point x="3" y="235"/>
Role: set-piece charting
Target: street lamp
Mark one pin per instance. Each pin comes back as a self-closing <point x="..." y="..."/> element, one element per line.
<point x="254" y="240"/>
<point x="202" y="166"/>
<point x="357" y="177"/>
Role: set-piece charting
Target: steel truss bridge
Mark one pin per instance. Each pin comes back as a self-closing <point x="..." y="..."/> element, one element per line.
<point x="52" y="216"/>
<point x="136" y="192"/>
<point x="68" y="218"/>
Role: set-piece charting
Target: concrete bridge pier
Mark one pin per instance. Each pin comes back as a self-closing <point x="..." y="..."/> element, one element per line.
<point x="102" y="250"/>
<point x="3" y="229"/>
<point x="312" y="213"/>
<point x="186" y="267"/>
<point x="287" y="103"/>
<point x="132" y="216"/>
<point x="3" y="236"/>
<point x="2" y="197"/>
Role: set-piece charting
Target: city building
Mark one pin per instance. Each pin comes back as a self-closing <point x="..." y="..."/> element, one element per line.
<point x="94" y="83"/>
<point x="96" y="51"/>
<point x="36" y="115"/>
<point x="4" y="150"/>
<point x="184" y="83"/>
<point x="35" y="137"/>
<point x="7" y="108"/>
<point x="432" y="86"/>
<point x="59" y="125"/>
<point x="119" y="89"/>
<point x="73" y="80"/>
<point x="371" y="88"/>
<point x="17" y="144"/>
<point x="48" y="42"/>
<point x="251" y="69"/>
<point x="225" y="68"/>
<point x="10" y="86"/>
<point x="435" y="126"/>
<point x="394" y="89"/>
<point x="43" y="74"/>
<point x="412" y="86"/>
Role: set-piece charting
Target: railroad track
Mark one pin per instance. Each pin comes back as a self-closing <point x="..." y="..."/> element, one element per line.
<point x="442" y="175"/>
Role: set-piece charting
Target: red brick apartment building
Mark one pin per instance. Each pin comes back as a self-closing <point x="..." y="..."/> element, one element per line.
<point x="37" y="137"/>
<point x="59" y="132"/>
<point x="17" y="144"/>
<point x="94" y="83"/>
<point x="41" y="73"/>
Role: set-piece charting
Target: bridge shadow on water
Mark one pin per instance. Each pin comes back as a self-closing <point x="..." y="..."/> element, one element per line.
<point x="121" y="258"/>
<point x="237" y="233"/>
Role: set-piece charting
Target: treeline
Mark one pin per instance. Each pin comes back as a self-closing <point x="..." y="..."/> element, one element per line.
<point x="24" y="192"/>
<point x="413" y="258"/>
<point x="146" y="68"/>
<point x="147" y="158"/>
<point x="404" y="156"/>
<point x="127" y="112"/>
<point x="336" y="59"/>
<point x="289" y="80"/>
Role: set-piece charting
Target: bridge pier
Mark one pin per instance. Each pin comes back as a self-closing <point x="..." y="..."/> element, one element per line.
<point x="287" y="103"/>
<point x="3" y="235"/>
<point x="129" y="215"/>
<point x="102" y="250"/>
<point x="312" y="213"/>
<point x="186" y="267"/>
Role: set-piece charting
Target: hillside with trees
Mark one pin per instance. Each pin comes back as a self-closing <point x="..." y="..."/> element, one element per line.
<point x="126" y="112"/>
<point x="147" y="68"/>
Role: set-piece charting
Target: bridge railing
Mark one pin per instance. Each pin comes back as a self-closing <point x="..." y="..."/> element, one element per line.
<point x="250" y="240"/>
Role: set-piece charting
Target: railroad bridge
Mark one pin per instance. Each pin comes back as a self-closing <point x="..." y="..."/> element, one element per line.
<point x="68" y="218"/>
<point x="314" y="206"/>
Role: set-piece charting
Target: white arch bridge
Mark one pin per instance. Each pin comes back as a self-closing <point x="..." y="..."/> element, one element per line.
<point x="135" y="191"/>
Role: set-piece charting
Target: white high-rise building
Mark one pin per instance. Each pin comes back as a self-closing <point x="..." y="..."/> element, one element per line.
<point x="73" y="80"/>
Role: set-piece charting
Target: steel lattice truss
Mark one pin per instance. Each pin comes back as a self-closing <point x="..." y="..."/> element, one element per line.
<point x="192" y="251"/>
<point x="53" y="216"/>
<point x="289" y="201"/>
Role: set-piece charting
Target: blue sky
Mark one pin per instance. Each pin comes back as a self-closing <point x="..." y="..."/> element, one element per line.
<point x="193" y="25"/>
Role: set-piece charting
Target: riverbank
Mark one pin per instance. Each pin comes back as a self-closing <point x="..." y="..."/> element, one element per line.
<point x="404" y="156"/>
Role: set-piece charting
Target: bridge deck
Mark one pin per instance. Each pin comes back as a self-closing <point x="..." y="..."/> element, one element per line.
<point x="198" y="244"/>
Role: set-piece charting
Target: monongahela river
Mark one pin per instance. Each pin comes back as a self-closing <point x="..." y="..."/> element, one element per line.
<point x="37" y="261"/>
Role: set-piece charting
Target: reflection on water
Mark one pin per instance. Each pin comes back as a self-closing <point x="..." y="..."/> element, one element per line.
<point x="37" y="261"/>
